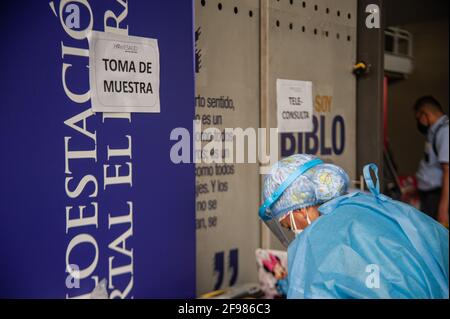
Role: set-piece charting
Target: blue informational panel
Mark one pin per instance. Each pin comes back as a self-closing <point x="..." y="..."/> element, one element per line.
<point x="95" y="191"/>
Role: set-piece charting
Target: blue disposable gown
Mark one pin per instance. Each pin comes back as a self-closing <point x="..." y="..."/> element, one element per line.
<point x="369" y="247"/>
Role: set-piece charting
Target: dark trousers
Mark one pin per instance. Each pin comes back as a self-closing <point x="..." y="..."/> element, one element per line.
<point x="429" y="202"/>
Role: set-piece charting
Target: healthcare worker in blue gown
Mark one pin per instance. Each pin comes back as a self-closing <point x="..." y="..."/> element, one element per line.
<point x="358" y="245"/>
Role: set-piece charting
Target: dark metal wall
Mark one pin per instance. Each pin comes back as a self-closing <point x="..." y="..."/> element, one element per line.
<point x="369" y="109"/>
<point x="401" y="12"/>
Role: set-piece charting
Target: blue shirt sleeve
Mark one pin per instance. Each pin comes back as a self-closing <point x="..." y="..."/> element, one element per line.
<point x="442" y="145"/>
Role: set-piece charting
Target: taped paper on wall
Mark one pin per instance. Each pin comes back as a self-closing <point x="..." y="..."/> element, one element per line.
<point x="123" y="73"/>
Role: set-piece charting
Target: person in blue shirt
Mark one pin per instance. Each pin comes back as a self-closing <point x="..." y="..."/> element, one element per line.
<point x="432" y="175"/>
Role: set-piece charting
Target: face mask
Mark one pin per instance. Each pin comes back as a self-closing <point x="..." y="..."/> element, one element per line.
<point x="422" y="128"/>
<point x="294" y="226"/>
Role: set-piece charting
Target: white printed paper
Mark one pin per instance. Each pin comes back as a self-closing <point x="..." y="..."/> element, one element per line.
<point x="124" y="73"/>
<point x="294" y="106"/>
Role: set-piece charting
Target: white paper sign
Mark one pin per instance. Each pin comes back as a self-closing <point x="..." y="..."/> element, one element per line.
<point x="295" y="106"/>
<point x="124" y="73"/>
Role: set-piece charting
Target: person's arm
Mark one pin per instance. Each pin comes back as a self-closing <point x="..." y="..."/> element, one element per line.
<point x="443" y="203"/>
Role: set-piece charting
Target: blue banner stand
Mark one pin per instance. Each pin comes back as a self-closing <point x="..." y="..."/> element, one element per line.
<point x="64" y="223"/>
